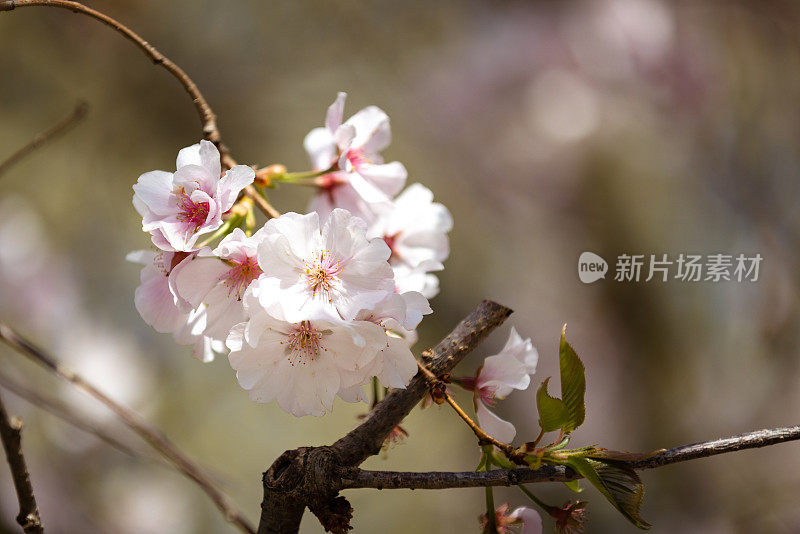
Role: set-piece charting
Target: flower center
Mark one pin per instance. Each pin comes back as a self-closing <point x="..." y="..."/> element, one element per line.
<point x="356" y="157"/>
<point x="322" y="273"/>
<point x="238" y="278"/>
<point x="191" y="212"/>
<point x="305" y="343"/>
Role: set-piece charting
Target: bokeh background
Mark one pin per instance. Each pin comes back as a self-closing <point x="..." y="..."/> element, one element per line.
<point x="547" y="128"/>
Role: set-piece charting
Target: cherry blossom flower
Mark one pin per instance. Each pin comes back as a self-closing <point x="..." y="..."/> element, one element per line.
<point x="302" y="365"/>
<point x="161" y="307"/>
<point x="219" y="279"/>
<point x="418" y="278"/>
<point x="528" y="518"/>
<point x="414" y="227"/>
<point x="500" y="374"/>
<point x="176" y="208"/>
<point x="310" y="271"/>
<point x="359" y="176"/>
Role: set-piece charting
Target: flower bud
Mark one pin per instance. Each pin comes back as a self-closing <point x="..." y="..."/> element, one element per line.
<point x="265" y="176"/>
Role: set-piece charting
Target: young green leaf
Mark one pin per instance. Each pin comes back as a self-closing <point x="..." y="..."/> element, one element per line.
<point x="552" y="412"/>
<point x="574" y="485"/>
<point x="617" y="482"/>
<point x="573" y="384"/>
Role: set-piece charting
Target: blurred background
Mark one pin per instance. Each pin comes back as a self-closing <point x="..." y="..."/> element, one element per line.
<point x="547" y="128"/>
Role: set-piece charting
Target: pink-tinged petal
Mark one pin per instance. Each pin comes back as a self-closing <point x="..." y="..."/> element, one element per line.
<point x="343" y="137"/>
<point x="501" y="373"/>
<point x="353" y="394"/>
<point x="155" y="303"/>
<point x="154" y="190"/>
<point x="209" y="158"/>
<point x="223" y="311"/>
<point x="531" y="520"/>
<point x="367" y="190"/>
<point x="494" y="426"/>
<point x="189" y="156"/>
<point x="193" y="177"/>
<point x="388" y="178"/>
<point x="231" y="185"/>
<point x="301" y="231"/>
<point x="399" y="364"/>
<point x="416" y="307"/>
<point x="321" y="148"/>
<point x="197" y="278"/>
<point x="333" y="118"/>
<point x="344" y="233"/>
<point x="373" y="132"/>
<point x="160" y="240"/>
<point x="203" y="154"/>
<point x="522" y="349"/>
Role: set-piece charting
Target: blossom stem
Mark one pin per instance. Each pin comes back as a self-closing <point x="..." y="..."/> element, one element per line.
<point x="481" y="434"/>
<point x="541" y="504"/>
<point x="223" y="230"/>
<point x="375" y="391"/>
<point x="491" y="525"/>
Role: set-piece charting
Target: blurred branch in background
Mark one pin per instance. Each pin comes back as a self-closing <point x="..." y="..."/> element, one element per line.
<point x="51" y="134"/>
<point x="150" y="434"/>
<point x="66" y="414"/>
<point x="10" y="432"/>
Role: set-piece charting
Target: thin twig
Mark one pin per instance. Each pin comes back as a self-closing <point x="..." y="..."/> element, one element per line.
<point x="152" y="435"/>
<point x="358" y="478"/>
<point x="481" y="434"/>
<point x="54" y="132"/>
<point x="10" y="432"/>
<point x="63" y="412"/>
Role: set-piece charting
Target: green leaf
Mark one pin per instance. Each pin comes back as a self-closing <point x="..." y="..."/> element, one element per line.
<point x="617" y="482"/>
<point x="552" y="412"/>
<point x="574" y="485"/>
<point x="573" y="384"/>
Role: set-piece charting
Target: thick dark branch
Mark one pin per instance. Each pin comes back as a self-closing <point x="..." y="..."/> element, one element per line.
<point x="358" y="478"/>
<point x="133" y="420"/>
<point x="10" y="432"/>
<point x="366" y="439"/>
<point x="54" y="132"/>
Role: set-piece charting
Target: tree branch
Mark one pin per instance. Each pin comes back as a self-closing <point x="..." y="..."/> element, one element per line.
<point x="150" y="434"/>
<point x="54" y="132"/>
<point x="10" y="433"/>
<point x="358" y="478"/>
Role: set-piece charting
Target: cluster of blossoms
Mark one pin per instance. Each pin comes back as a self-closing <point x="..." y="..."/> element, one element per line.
<point x="310" y="306"/>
